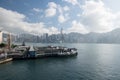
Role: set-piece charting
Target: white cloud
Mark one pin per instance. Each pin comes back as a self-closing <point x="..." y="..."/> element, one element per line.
<point x="12" y="21"/>
<point x="73" y="2"/>
<point x="96" y="17"/>
<point x="51" y="10"/>
<point x="66" y="8"/>
<point x="52" y="5"/>
<point x="77" y="27"/>
<point x="60" y="9"/>
<point x="61" y="18"/>
<point x="9" y="20"/>
<point x="37" y="10"/>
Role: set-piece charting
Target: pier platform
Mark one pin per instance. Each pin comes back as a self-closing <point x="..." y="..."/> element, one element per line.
<point x="5" y="60"/>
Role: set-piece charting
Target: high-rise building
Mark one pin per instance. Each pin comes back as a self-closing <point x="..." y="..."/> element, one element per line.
<point x="62" y="36"/>
<point x="3" y="37"/>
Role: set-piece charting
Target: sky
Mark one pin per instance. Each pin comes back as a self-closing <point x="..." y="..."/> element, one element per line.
<point x="49" y="16"/>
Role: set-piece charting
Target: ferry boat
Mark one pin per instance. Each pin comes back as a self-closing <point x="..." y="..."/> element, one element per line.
<point x="30" y="52"/>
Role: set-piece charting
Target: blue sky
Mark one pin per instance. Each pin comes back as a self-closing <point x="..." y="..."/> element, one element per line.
<point x="49" y="16"/>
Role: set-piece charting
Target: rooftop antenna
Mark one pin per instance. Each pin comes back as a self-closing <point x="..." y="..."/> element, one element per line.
<point x="23" y="44"/>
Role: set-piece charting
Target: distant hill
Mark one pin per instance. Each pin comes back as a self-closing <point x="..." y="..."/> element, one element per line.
<point x="109" y="37"/>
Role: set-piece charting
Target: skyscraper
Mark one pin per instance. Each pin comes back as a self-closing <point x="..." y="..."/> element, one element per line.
<point x="62" y="36"/>
<point x="3" y="37"/>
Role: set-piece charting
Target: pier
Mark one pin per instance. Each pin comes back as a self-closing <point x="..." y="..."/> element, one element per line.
<point x="30" y="52"/>
<point x="5" y="60"/>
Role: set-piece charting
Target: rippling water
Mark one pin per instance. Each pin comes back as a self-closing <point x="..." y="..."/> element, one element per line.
<point x="94" y="62"/>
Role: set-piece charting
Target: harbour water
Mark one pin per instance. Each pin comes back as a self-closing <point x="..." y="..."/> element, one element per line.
<point x="94" y="62"/>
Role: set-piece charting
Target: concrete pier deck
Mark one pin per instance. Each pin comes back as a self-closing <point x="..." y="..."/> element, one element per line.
<point x="5" y="60"/>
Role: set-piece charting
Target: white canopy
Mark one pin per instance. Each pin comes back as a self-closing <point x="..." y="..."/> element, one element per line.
<point x="31" y="48"/>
